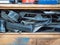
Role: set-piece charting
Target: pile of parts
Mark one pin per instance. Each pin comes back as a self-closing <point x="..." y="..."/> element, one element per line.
<point x="48" y="21"/>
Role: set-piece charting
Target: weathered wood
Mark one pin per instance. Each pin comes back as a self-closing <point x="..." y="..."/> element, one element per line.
<point x="29" y="6"/>
<point x="17" y="41"/>
<point x="30" y="38"/>
<point x="48" y="41"/>
<point x="31" y="35"/>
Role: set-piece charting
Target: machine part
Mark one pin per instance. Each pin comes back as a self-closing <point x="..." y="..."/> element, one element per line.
<point x="49" y="12"/>
<point x="20" y="27"/>
<point x="22" y="14"/>
<point x="13" y="30"/>
<point x="4" y="15"/>
<point x="37" y="28"/>
<point x="40" y="25"/>
<point x="12" y="16"/>
<point x="36" y="19"/>
<point x="53" y="25"/>
<point x="32" y="16"/>
<point x="2" y="27"/>
<point x="28" y="22"/>
<point x="46" y="29"/>
<point x="37" y="25"/>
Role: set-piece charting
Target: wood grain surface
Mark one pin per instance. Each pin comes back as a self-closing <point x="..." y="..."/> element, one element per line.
<point x="29" y="6"/>
<point x="48" y="41"/>
<point x="29" y="39"/>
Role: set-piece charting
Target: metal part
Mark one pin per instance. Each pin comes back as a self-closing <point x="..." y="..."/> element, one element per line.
<point x="36" y="19"/>
<point x="2" y="27"/>
<point x="46" y="29"/>
<point x="37" y="28"/>
<point x="32" y="16"/>
<point x="28" y="22"/>
<point x="19" y="26"/>
<point x="37" y="25"/>
<point x="51" y="12"/>
<point x="4" y="15"/>
<point x="12" y="16"/>
<point x="22" y="27"/>
<point x="53" y="25"/>
<point x="31" y="22"/>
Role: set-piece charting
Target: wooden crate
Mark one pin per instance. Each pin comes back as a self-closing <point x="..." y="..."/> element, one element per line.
<point x="32" y="38"/>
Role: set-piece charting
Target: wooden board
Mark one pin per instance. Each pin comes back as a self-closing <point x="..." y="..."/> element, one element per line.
<point x="48" y="41"/>
<point x="29" y="38"/>
<point x="29" y="6"/>
<point x="17" y="41"/>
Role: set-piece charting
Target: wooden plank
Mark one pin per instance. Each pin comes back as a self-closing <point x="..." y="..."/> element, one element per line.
<point x="30" y="38"/>
<point x="17" y="41"/>
<point x="48" y="41"/>
<point x="28" y="6"/>
<point x="31" y="35"/>
<point x="37" y="33"/>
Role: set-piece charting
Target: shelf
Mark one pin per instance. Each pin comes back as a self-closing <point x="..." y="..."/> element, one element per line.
<point x="29" y="6"/>
<point x="33" y="35"/>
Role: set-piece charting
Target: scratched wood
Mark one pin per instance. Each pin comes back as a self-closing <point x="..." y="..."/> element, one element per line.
<point x="30" y="39"/>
